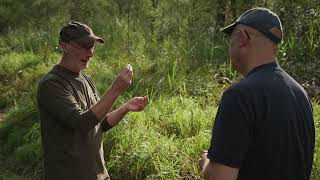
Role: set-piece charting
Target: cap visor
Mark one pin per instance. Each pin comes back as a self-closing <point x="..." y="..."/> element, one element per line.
<point x="228" y="30"/>
<point x="89" y="39"/>
<point x="98" y="39"/>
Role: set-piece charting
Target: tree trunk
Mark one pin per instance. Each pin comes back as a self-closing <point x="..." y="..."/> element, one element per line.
<point x="221" y="13"/>
<point x="233" y="7"/>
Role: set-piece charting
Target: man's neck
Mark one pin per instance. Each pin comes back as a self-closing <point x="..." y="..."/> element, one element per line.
<point x="66" y="62"/>
<point x="258" y="62"/>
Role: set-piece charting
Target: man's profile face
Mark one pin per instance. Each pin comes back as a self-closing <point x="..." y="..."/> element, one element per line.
<point x="83" y="52"/>
<point x="80" y="54"/>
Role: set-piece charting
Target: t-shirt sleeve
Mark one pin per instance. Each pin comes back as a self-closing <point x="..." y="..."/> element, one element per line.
<point x="54" y="98"/>
<point x="105" y="125"/>
<point x="231" y="133"/>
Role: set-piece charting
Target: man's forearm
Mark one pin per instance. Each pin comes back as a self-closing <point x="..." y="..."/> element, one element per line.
<point x="115" y="116"/>
<point x="103" y="106"/>
<point x="216" y="171"/>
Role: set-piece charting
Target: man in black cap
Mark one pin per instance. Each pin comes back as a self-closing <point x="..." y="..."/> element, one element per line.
<point x="264" y="128"/>
<point x="72" y="114"/>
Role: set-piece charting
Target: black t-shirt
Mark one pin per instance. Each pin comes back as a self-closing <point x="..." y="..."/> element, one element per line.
<point x="264" y="126"/>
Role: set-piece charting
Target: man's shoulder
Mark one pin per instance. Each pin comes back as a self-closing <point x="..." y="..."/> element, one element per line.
<point x="263" y="79"/>
<point x="236" y="90"/>
<point x="240" y="86"/>
<point x="50" y="76"/>
<point x="248" y="86"/>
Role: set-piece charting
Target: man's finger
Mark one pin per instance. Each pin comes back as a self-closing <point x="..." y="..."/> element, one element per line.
<point x="129" y="67"/>
<point x="144" y="100"/>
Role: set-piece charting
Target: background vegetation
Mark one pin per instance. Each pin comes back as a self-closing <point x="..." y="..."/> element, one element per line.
<point x="179" y="58"/>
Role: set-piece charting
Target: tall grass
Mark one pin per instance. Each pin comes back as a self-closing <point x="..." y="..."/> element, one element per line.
<point x="183" y="76"/>
<point x="172" y="127"/>
<point x="163" y="142"/>
<point x="316" y="164"/>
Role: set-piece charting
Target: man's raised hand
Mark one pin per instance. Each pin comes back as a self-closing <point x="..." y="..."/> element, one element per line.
<point x="123" y="80"/>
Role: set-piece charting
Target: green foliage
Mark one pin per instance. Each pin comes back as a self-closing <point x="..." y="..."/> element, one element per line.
<point x="20" y="139"/>
<point x="17" y="123"/>
<point x="316" y="164"/>
<point x="180" y="61"/>
<point x="19" y="71"/>
<point x="12" y="177"/>
<point x="30" y="152"/>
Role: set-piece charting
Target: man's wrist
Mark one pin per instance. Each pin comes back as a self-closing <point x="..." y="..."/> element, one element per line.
<point x="125" y="108"/>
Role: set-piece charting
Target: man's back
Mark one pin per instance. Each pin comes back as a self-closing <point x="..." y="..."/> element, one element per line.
<point x="265" y="127"/>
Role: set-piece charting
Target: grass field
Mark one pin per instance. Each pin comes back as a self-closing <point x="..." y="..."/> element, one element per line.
<point x="163" y="142"/>
<point x="179" y="58"/>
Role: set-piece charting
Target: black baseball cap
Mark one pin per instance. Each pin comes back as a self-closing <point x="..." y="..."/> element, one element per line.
<point x="261" y="19"/>
<point x="78" y="32"/>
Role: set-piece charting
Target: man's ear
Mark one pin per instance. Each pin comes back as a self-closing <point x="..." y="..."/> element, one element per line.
<point x="64" y="47"/>
<point x="243" y="37"/>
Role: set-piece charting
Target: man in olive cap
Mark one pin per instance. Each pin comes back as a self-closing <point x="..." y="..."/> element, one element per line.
<point x="72" y="114"/>
<point x="264" y="127"/>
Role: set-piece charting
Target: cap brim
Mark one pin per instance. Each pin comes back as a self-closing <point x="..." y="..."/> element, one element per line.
<point x="89" y="39"/>
<point x="229" y="29"/>
<point x="98" y="39"/>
